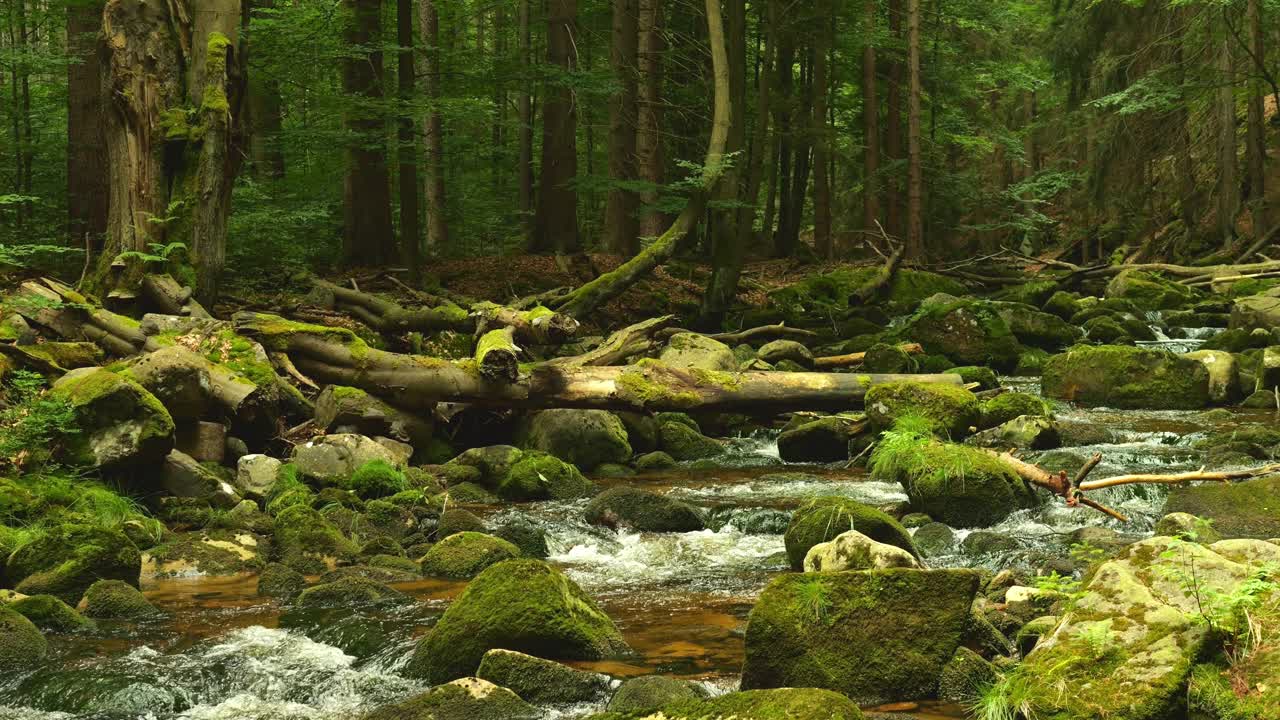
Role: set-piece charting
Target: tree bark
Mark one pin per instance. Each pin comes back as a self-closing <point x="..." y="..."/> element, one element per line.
<point x="1228" y="173"/>
<point x="524" y="109"/>
<point x="265" y="118"/>
<point x="915" y="177"/>
<point x="87" y="191"/>
<point x="650" y="152"/>
<point x="1256" y="130"/>
<point x="823" y="41"/>
<point x="893" y="126"/>
<point x="870" y="122"/>
<point x="410" y="234"/>
<point x="437" y="222"/>
<point x="368" y="236"/>
<point x="556" y="223"/>
<point x="621" y="223"/>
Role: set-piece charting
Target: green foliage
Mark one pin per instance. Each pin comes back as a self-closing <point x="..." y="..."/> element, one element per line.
<point x="34" y="423"/>
<point x="1226" y="613"/>
<point x="376" y="479"/>
<point x="1009" y="698"/>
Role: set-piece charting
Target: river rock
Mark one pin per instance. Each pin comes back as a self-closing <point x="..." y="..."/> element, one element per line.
<point x="306" y="541"/>
<point x="1256" y="311"/>
<point x="951" y="409"/>
<point x="332" y="459"/>
<point x="851" y="550"/>
<point x="1224" y="374"/>
<point x="935" y="539"/>
<point x="965" y="678"/>
<point x="119" y="422"/>
<point x="824" y="519"/>
<point x="523" y="605"/>
<point x="281" y="582"/>
<point x="689" y="351"/>
<point x="875" y="636"/>
<point x="820" y="441"/>
<point x="348" y="410"/>
<point x="887" y="358"/>
<point x="788" y="703"/>
<point x="1025" y="432"/>
<point x="463" y="555"/>
<point x="779" y="350"/>
<point x="1248" y="509"/>
<point x="1149" y="291"/>
<point x="1138" y="627"/>
<point x="116" y="600"/>
<point x="684" y="441"/>
<point x="349" y="591"/>
<point x="1007" y="406"/>
<point x="50" y="614"/>
<point x="184" y="477"/>
<point x="256" y="475"/>
<point x="466" y="698"/>
<point x="1035" y="328"/>
<point x="650" y="692"/>
<point x="541" y="681"/>
<point x="22" y="647"/>
<point x="67" y="559"/>
<point x="1126" y="377"/>
<point x="967" y="332"/>
<point x="586" y="438"/>
<point x="515" y="474"/>
<point x="643" y="510"/>
<point x="956" y="484"/>
<point x="1180" y="524"/>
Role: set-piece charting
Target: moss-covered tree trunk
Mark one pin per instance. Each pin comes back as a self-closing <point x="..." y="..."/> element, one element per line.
<point x="172" y="82"/>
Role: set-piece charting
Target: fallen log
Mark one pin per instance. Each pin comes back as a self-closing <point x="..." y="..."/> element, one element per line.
<point x="337" y="356"/>
<point x="641" y="338"/>
<point x="857" y="358"/>
<point x="172" y="298"/>
<point x="497" y="356"/>
<point x="71" y="316"/>
<point x="878" y="283"/>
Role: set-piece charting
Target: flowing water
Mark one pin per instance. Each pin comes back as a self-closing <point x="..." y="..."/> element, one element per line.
<point x="681" y="600"/>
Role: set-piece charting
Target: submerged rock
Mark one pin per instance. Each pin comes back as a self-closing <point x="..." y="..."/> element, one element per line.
<point x="541" y="681"/>
<point x="1126" y="377"/>
<point x="788" y="703"/>
<point x="876" y="636"/>
<point x="824" y="519"/>
<point x="466" y="698"/>
<point x="643" y="510"/>
<point x="522" y="605"/>
<point x="851" y="550"/>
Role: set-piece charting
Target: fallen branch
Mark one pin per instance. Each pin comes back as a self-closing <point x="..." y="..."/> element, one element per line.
<point x="753" y="336"/>
<point x="874" y="286"/>
<point x="639" y="339"/>
<point x="857" y="358"/>
<point x="1193" y="476"/>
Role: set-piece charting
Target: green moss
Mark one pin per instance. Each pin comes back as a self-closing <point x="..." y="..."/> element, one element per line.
<point x="641" y="386"/>
<point x="541" y="681"/>
<point x="464" y="555"/>
<point x="377" y="479"/>
<point x="175" y="123"/>
<point x="306" y="541"/>
<point x="523" y="605"/>
<point x="968" y="332"/>
<point x="350" y="591"/>
<point x="537" y="475"/>
<point x="780" y="704"/>
<point x="65" y="560"/>
<point x="823" y="519"/>
<point x="1007" y="406"/>
<point x="21" y="644"/>
<point x="642" y="510"/>
<point x="117" y="600"/>
<point x="464" y="699"/>
<point x="1126" y="377"/>
<point x="51" y="614"/>
<point x="949" y="409"/>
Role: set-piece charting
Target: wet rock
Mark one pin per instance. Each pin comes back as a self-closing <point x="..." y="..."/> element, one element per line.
<point x="332" y="459"/>
<point x="750" y="521"/>
<point x="1261" y="400"/>
<point x="967" y="332"/>
<point x="1023" y="432"/>
<point x="654" y="461"/>
<point x="541" y="681"/>
<point x="1106" y="330"/>
<point x="951" y="409"/>
<point x="789" y="703"/>
<point x="685" y="442"/>
<point x="1077" y="434"/>
<point x="1063" y="304"/>
<point x="307" y="542"/>
<point x="985" y="377"/>
<point x="523" y="605"/>
<point x="456" y="520"/>
<point x="464" y="555"/>
<point x="1181" y="524"/>
<point x="467" y="493"/>
<point x="981" y="543"/>
<point x="650" y="692"/>
<point x="466" y="698"/>
<point x="348" y="410"/>
<point x="1037" y="329"/>
<point x="823" y="519"/>
<point x="965" y="677"/>
<point x="116" y="600"/>
<point x="377" y="573"/>
<point x="1124" y="377"/>
<point x="182" y="476"/>
<point x="348" y="592"/>
<point x="1256" y="311"/>
<point x="887" y="358"/>
<point x="691" y="350"/>
<point x="119" y="422"/>
<point x="515" y="474"/>
<point x="67" y="559"/>
<point x="1150" y="291"/>
<point x="524" y="534"/>
<point x="281" y="582"/>
<point x="915" y="520"/>
<point x="779" y="350"/>
<point x="1248" y="509"/>
<point x="49" y="614"/>
<point x="21" y="644"/>
<point x="1224" y="376"/>
<point x="956" y="484"/>
<point x="643" y="511"/>
<point x="212" y="552"/>
<point x="820" y="441"/>
<point x="875" y="636"/>
<point x="851" y="550"/>
<point x="256" y="475"/>
<point x="585" y="438"/>
<point x="1007" y="406"/>
<point x="935" y="539"/>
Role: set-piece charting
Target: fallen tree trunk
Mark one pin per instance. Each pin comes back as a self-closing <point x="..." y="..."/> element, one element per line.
<point x="857" y="358"/>
<point x="171" y="298"/>
<point x="878" y="283"/>
<point x="496" y="356"/>
<point x="641" y="338"/>
<point x="337" y="356"/>
<point x="71" y="316"/>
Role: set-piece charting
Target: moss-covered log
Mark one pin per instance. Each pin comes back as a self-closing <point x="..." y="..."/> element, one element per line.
<point x="171" y="297"/>
<point x="335" y="355"/>
<point x="496" y="356"/>
<point x="71" y="316"/>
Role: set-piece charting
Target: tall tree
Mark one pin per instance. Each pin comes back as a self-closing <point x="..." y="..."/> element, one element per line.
<point x="621" y="223"/>
<point x="915" y="175"/>
<point x="650" y="152"/>
<point x="1228" y="165"/>
<point x="823" y="41"/>
<point x="870" y="121"/>
<point x="1256" y="134"/>
<point x="265" y="115"/>
<point x="524" y="110"/>
<point x="893" y="150"/>
<point x="368" y="236"/>
<point x="410" y="241"/>
<point x="437" y="222"/>
<point x="556" y="223"/>
<point x="87" y="192"/>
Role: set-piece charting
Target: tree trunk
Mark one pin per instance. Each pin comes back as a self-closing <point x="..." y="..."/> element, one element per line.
<point x="87" y="192"/>
<point x="650" y="152"/>
<point x="760" y="146"/>
<point x="265" y="118"/>
<point x="870" y="123"/>
<point x="1256" y="131"/>
<point x="437" y="223"/>
<point x="174" y="84"/>
<point x="823" y="41"/>
<point x="786" y="103"/>
<point x="893" y="126"/>
<point x="556" y="223"/>
<point x="524" y="108"/>
<point x="1228" y="173"/>
<point x="621" y="224"/>
<point x="915" y="176"/>
<point x="368" y="235"/>
<point x="410" y="234"/>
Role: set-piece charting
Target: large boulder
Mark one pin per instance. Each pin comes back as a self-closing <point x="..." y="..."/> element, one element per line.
<point x="182" y="476"/>
<point x="1038" y="329"/>
<point x="950" y="409"/>
<point x="689" y="351"/>
<point x="118" y="422"/>
<point x="515" y="474"/>
<point x="824" y="519"/>
<point x="333" y="459"/>
<point x="649" y="692"/>
<point x="117" y="600"/>
<point x="341" y="409"/>
<point x="586" y="438"/>
<point x="306" y="541"/>
<point x="466" y="698"/>
<point x="67" y="559"/>
<point x="541" y="681"/>
<point x="1126" y="377"/>
<point x="684" y="442"/>
<point x="851" y="550"/>
<point x="967" y="332"/>
<point x="1138" y="628"/>
<point x="642" y="510"/>
<point x="22" y="646"/>
<point x="1149" y="291"/>
<point x="1248" y="509"/>
<point x="1256" y="311"/>
<point x="1007" y="406"/>
<point x="464" y="555"/>
<point x="524" y="605"/>
<point x="780" y="704"/>
<point x="875" y="636"/>
<point x="822" y="440"/>
<point x="1224" y="373"/>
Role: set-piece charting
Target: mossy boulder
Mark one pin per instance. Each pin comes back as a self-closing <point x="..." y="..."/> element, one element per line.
<point x="524" y="534"/>
<point x="523" y="605"/>
<point x="210" y="552"/>
<point x="585" y="438"/>
<point x="350" y="591"/>
<point x="642" y="510"/>
<point x="1034" y="328"/>
<point x="541" y="681"/>
<point x="119" y="423"/>
<point x="1256" y="311"/>
<point x="657" y="460"/>
<point x="875" y="636"/>
<point x="689" y="351"/>
<point x="341" y="409"/>
<point x="67" y="559"/>
<point x="456" y="520"/>
<point x="1025" y="432"/>
<point x="780" y="704"/>
<point x="1063" y="304"/>
<point x="22" y="646"/>
<point x="822" y="440"/>
<point x="1149" y="291"/>
<point x="935" y="539"/>
<point x="887" y="358"/>
<point x="649" y="692"/>
<point x="1248" y="509"/>
<point x="281" y="582"/>
<point x="1007" y="406"/>
<point x="967" y="332"/>
<point x="950" y="409"/>
<point x="117" y="600"/>
<point x="1126" y="377"/>
<point x="825" y="294"/>
<point x="466" y="493"/>
<point x="684" y="442"/>
<point x="466" y="698"/>
<point x="540" y="476"/>
<point x="984" y="376"/>
<point x="308" y="542"/>
<point x="377" y="479"/>
<point x="333" y="459"/>
<point x="51" y="614"/>
<point x="824" y="519"/>
<point x="778" y="350"/>
<point x="966" y="677"/>
<point x="464" y="555"/>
